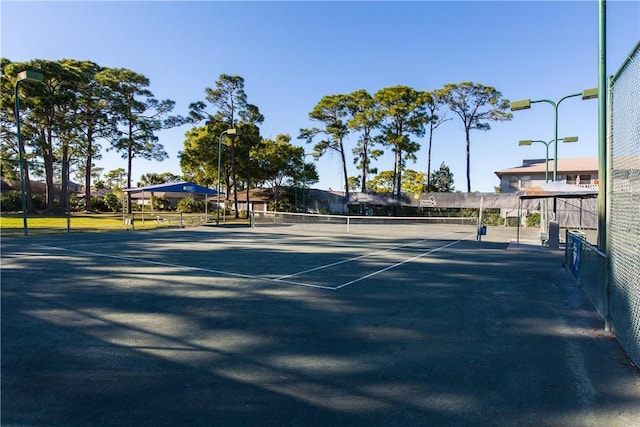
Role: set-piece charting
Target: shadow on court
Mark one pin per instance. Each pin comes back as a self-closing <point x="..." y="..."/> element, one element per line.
<point x="192" y="327"/>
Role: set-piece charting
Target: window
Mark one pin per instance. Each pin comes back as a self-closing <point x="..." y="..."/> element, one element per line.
<point x="518" y="182"/>
<point x="578" y="179"/>
<point x="514" y="182"/>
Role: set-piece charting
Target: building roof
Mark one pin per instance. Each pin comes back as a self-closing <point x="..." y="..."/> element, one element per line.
<point x="37" y="187"/>
<point x="256" y="195"/>
<point x="537" y="166"/>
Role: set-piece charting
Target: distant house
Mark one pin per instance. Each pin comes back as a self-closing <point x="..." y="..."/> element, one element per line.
<point x="313" y="200"/>
<point x="581" y="171"/>
<point x="259" y="199"/>
<point x="39" y="187"/>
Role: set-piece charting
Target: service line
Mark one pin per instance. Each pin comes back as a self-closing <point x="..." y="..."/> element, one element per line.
<point x="400" y="263"/>
<point x="360" y="257"/>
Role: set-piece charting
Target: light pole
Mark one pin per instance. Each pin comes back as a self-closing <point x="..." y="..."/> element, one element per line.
<point x="34" y="77"/>
<point x="525" y="104"/>
<point x="524" y="142"/>
<point x="232" y="131"/>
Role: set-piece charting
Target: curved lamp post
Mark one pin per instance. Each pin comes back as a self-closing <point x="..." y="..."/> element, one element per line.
<point x="546" y="161"/>
<point x="232" y="131"/>
<point x="525" y="104"/>
<point x="33" y="77"/>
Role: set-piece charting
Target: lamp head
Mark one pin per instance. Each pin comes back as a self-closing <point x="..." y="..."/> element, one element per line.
<point x="590" y="93"/>
<point x="30" y="76"/>
<point x="524" y="104"/>
<point x="570" y="139"/>
<point x="524" y="142"/>
<point x="234" y="131"/>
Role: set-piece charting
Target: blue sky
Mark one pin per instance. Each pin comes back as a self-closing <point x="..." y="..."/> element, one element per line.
<point x="291" y="54"/>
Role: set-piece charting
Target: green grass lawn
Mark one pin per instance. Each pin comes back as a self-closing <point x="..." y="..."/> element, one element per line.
<point x="12" y="224"/>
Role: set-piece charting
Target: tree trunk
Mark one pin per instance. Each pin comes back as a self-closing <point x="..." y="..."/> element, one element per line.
<point x="47" y="156"/>
<point x="227" y="188"/>
<point x="234" y="177"/>
<point x="64" y="178"/>
<point x="346" y="175"/>
<point x="27" y="182"/>
<point x="130" y="153"/>
<point x="88" y="165"/>
<point x="129" y="164"/>
<point x="398" y="168"/>
<point x="429" y="158"/>
<point x="395" y="171"/>
<point x="365" y="163"/>
<point x="468" y="163"/>
<point x="248" y="189"/>
<point x="27" y="188"/>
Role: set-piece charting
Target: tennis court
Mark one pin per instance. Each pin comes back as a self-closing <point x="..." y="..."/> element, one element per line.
<point x="290" y="324"/>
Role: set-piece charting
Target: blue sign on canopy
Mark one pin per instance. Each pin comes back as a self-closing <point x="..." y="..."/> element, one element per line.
<point x="175" y="187"/>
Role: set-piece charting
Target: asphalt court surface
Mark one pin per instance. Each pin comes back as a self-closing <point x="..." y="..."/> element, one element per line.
<point x="233" y="326"/>
<point x="324" y="262"/>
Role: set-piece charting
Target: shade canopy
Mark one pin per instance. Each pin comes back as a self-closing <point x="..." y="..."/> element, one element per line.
<point x="557" y="189"/>
<point x="175" y="187"/>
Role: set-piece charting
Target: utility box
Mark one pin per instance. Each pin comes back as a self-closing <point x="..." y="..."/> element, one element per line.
<point x="554" y="234"/>
<point x="482" y="231"/>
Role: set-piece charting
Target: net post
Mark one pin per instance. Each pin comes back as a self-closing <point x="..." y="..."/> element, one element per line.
<point x="479" y="225"/>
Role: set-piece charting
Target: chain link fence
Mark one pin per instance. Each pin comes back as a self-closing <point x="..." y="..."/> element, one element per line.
<point x="589" y="267"/>
<point x="612" y="282"/>
<point x="624" y="204"/>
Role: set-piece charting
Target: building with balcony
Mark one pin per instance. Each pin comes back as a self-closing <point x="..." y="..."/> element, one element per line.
<point x="581" y="171"/>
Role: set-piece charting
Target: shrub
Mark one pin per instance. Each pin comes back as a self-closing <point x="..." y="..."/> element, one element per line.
<point x="75" y="204"/>
<point x="113" y="202"/>
<point x="39" y="202"/>
<point x="470" y="213"/>
<point x="533" y="219"/>
<point x="190" y="205"/>
<point x="512" y="221"/>
<point x="11" y="201"/>
<point x="493" y="219"/>
<point x="160" y="203"/>
<point x="98" y="204"/>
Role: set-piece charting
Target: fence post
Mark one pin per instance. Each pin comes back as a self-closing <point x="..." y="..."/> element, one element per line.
<point x="608" y="327"/>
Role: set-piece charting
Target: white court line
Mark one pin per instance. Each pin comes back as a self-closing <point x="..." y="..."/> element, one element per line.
<point x="400" y="263"/>
<point x="165" y="264"/>
<point x="361" y="256"/>
<point x="268" y="279"/>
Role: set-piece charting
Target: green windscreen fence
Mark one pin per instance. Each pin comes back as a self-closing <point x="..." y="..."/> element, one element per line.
<point x="624" y="204"/>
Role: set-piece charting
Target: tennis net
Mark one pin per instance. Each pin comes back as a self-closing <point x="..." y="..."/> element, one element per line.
<point x="361" y="225"/>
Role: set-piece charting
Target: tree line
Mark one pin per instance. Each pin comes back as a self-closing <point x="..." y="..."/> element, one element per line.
<point x="80" y="106"/>
<point x="393" y="118"/>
